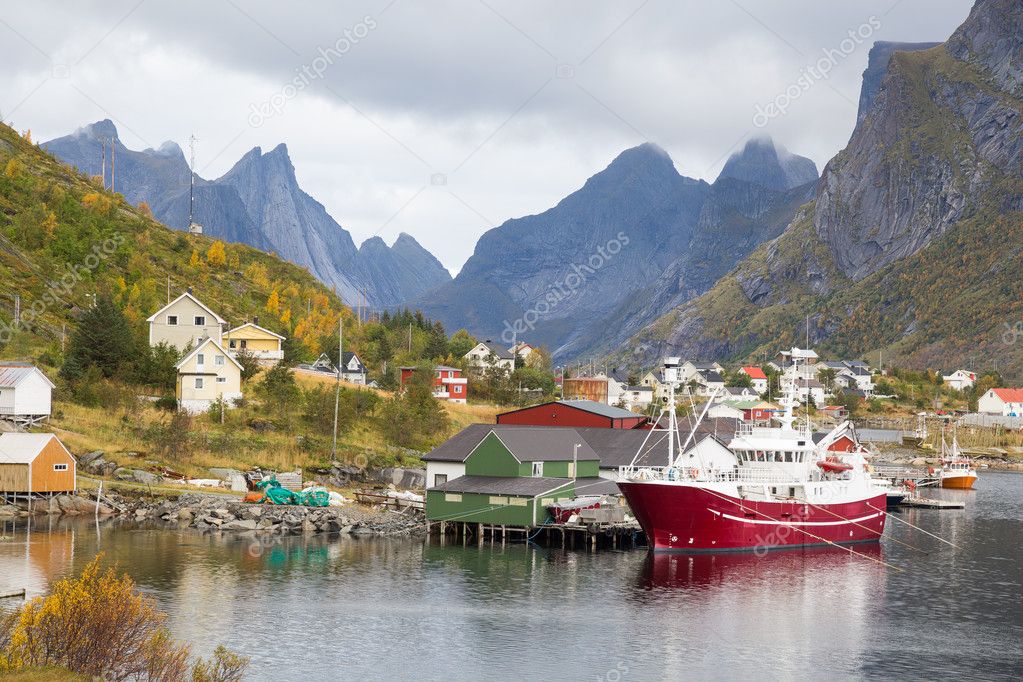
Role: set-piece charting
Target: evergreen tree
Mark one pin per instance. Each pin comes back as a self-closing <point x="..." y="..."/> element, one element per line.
<point x="102" y="340"/>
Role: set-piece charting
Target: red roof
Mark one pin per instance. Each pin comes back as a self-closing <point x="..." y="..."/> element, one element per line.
<point x="754" y="372"/>
<point x="1009" y="395"/>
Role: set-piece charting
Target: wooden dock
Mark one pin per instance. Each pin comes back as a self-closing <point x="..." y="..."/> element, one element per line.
<point x="15" y="594"/>
<point x="927" y="503"/>
<point x="593" y="536"/>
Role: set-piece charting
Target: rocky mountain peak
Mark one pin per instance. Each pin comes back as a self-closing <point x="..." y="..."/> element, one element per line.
<point x="100" y="130"/>
<point x="877" y="64"/>
<point x="992" y="38"/>
<point x="761" y="161"/>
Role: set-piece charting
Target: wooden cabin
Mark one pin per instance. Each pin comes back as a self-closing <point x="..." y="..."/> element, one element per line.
<point x="35" y="464"/>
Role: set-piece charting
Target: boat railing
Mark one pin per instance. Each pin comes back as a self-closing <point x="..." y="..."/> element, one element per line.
<point x="741" y="475"/>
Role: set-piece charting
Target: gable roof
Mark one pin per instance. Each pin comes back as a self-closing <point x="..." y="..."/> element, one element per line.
<point x="602" y="409"/>
<point x="254" y="326"/>
<point x="347" y="356"/>
<point x="218" y="318"/>
<point x="202" y="345"/>
<point x="711" y="377"/>
<point x="23" y="448"/>
<point x="13" y="373"/>
<point x="754" y="372"/>
<point x="544" y="444"/>
<point x="1009" y="395"/>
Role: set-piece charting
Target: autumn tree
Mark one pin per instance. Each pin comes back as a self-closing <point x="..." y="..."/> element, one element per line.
<point x="216" y="255"/>
<point x="273" y="303"/>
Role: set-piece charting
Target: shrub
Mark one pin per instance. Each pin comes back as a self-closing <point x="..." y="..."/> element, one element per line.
<point x="167" y="402"/>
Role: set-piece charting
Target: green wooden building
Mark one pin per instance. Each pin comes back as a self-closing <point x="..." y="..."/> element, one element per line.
<point x="514" y="473"/>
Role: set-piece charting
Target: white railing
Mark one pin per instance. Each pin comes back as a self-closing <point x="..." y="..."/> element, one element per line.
<point x="742" y="475"/>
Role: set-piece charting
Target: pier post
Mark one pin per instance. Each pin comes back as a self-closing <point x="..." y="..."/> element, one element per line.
<point x="479" y="529"/>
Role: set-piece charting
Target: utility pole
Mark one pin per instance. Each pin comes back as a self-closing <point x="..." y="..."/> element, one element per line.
<point x="63" y="336"/>
<point x="409" y="337"/>
<point x="191" y="178"/>
<point x="113" y="161"/>
<point x="337" y="386"/>
<point x="103" y="163"/>
<point x="17" y="310"/>
<point x="168" y="289"/>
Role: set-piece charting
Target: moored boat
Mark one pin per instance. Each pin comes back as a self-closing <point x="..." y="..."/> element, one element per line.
<point x="785" y="490"/>
<point x="956" y="470"/>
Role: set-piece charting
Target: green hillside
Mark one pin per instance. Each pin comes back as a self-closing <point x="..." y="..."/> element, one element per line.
<point x="63" y="240"/>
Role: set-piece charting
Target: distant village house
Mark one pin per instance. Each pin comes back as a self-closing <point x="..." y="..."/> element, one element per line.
<point x="25" y="393"/>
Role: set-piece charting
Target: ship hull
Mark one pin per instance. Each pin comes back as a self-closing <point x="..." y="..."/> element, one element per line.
<point x="959" y="482"/>
<point x="691" y="518"/>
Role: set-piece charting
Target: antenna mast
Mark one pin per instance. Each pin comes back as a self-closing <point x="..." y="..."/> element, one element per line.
<point x="191" y="177"/>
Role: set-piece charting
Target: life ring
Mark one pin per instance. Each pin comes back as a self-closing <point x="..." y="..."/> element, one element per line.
<point x="911" y="485"/>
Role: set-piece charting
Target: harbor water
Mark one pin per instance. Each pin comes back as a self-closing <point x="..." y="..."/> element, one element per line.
<point x="319" y="607"/>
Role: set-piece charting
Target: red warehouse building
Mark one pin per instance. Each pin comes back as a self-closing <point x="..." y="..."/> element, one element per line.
<point x="575" y="413"/>
<point x="448" y="383"/>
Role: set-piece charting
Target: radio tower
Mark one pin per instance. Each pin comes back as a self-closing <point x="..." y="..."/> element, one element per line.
<point x="193" y="227"/>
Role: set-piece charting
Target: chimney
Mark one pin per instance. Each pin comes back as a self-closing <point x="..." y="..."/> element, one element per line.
<point x="189" y="290"/>
<point x="255" y="320"/>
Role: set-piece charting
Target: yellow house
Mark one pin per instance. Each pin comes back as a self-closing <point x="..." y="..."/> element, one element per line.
<point x="184" y="321"/>
<point x="205" y="375"/>
<point x="262" y="343"/>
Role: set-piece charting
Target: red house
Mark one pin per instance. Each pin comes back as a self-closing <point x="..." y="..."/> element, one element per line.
<point x="575" y="413"/>
<point x="448" y="383"/>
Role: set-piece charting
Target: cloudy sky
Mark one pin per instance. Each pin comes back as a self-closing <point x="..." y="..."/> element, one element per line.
<point x="444" y="119"/>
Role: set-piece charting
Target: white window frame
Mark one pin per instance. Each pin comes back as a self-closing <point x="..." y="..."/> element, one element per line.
<point x="200" y="359"/>
<point x="452" y="497"/>
<point x="218" y="360"/>
<point x="60" y="467"/>
<point x="439" y="479"/>
<point x="537" y="469"/>
<point x="172" y="320"/>
<point x="198" y="383"/>
<point x="200" y="320"/>
<point x="221" y="380"/>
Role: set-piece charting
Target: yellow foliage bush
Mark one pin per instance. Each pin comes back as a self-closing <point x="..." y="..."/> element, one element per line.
<point x="99" y="625"/>
<point x="94" y="201"/>
<point x="216" y="255"/>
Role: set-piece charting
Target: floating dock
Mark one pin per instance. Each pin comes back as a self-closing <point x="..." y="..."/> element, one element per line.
<point x="593" y="536"/>
<point x="927" y="503"/>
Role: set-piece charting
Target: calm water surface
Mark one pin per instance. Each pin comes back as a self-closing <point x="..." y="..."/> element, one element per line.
<point x="340" y="608"/>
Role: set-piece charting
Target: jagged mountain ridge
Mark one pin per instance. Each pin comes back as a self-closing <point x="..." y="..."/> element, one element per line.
<point x="258" y="202"/>
<point x="932" y="172"/>
<point x="877" y="65"/>
<point x="677" y="237"/>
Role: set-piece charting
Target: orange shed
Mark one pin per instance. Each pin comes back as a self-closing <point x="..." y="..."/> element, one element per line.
<point x="35" y="463"/>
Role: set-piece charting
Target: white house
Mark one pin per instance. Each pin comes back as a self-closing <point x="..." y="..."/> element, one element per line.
<point x="731" y="393"/>
<point x="709" y="454"/>
<point x="185" y="321"/>
<point x="689" y="370"/>
<point x="960" y="380"/>
<point x="725" y="410"/>
<point x="352" y="369"/>
<point x="708" y="382"/>
<point x="25" y="393"/>
<point x="1007" y="402"/>
<point x="757" y="377"/>
<point x="487" y="354"/>
<point x="636" y="397"/>
<point x="205" y="375"/>
<point x="521" y="349"/>
<point x="653" y="381"/>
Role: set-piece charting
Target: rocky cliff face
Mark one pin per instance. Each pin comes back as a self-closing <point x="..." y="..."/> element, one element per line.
<point x="933" y="171"/>
<point x="258" y="202"/>
<point x="877" y="65"/>
<point x="636" y="239"/>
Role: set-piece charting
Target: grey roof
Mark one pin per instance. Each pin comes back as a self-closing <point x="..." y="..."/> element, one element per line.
<point x="705" y="365"/>
<point x="501" y="353"/>
<point x="596" y="486"/>
<point x="593" y="406"/>
<point x="503" y="485"/>
<point x="648" y="389"/>
<point x="526" y="443"/>
<point x="347" y="356"/>
<point x="12" y="373"/>
<point x="544" y="444"/>
<point x="712" y="377"/>
<point x="859" y="370"/>
<point x="857" y="363"/>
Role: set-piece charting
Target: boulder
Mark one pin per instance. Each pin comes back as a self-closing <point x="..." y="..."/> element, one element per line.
<point x="7" y="510"/>
<point x="72" y="504"/>
<point x="185" y="514"/>
<point x="89" y="457"/>
<point x="147" y="477"/>
<point x="240" y="524"/>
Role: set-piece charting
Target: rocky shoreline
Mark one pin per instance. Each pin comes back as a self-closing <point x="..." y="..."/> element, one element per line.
<point x="206" y="512"/>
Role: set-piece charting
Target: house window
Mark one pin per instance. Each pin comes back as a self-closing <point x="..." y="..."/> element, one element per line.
<point x="218" y="360"/>
<point x="245" y="343"/>
<point x="452" y="497"/>
<point x="440" y="479"/>
<point x="200" y="359"/>
<point x="221" y="380"/>
<point x="518" y="501"/>
<point x="547" y="501"/>
<point x="496" y="500"/>
<point x="538" y="469"/>
<point x="172" y="320"/>
<point x="60" y="467"/>
<point x="457" y="389"/>
<point x="198" y="382"/>
<point x="200" y="320"/>
<point x="232" y="344"/>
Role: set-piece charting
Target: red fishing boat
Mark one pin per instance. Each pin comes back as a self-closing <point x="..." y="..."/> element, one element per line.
<point x="784" y="490"/>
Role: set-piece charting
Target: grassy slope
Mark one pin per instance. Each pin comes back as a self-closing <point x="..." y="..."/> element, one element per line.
<point x="904" y="310"/>
<point x="136" y="275"/>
